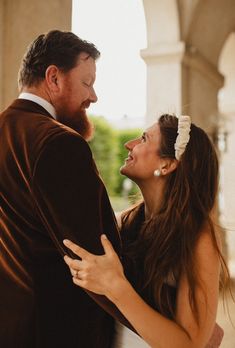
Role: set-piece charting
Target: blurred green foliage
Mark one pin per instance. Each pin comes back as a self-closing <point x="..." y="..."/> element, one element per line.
<point x="123" y="136"/>
<point x="104" y="149"/>
<point x="109" y="153"/>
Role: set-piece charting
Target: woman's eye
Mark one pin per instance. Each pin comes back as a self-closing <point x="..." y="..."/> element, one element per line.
<point x="143" y="138"/>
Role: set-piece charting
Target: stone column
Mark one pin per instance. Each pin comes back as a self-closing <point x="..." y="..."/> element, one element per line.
<point x="164" y="79"/>
<point x="21" y="21"/>
<point x="201" y="82"/>
<point x="163" y="57"/>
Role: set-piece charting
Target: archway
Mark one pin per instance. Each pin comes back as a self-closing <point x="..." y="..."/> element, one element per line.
<point x="227" y="110"/>
<point x="210" y="24"/>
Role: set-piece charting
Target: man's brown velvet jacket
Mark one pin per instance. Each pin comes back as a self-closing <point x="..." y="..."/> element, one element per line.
<point x="49" y="190"/>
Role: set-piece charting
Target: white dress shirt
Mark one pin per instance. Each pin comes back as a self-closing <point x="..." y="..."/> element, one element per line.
<point x="38" y="100"/>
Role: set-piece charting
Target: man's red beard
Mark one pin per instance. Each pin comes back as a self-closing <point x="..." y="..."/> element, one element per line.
<point x="79" y="122"/>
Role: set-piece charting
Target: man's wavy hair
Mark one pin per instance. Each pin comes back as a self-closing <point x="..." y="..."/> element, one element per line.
<point x="56" y="47"/>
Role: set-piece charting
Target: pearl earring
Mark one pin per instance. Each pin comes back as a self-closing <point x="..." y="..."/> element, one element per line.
<point x="157" y="172"/>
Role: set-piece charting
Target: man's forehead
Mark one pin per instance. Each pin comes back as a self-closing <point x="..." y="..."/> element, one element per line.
<point x="83" y="56"/>
<point x="86" y="66"/>
<point x="87" y="63"/>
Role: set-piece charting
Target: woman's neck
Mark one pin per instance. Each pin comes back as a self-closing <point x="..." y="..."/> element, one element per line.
<point x="153" y="195"/>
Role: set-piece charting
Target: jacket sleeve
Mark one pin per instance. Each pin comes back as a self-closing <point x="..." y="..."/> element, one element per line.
<point x="70" y="196"/>
<point x="72" y="202"/>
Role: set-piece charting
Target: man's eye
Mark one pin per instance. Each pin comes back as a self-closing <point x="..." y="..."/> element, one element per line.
<point x="86" y="84"/>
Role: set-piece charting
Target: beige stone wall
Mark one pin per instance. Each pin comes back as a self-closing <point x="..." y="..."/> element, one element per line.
<point x="227" y="109"/>
<point x="21" y="22"/>
<point x="201" y="82"/>
<point x="186" y="10"/>
<point x="1" y="48"/>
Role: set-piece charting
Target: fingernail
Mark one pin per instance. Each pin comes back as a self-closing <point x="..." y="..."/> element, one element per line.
<point x="104" y="236"/>
<point x="66" y="241"/>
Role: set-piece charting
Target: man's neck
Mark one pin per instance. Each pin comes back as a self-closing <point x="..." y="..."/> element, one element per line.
<point x="38" y="91"/>
<point x="34" y="95"/>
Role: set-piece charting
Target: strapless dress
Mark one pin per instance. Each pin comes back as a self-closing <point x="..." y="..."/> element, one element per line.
<point x="125" y="338"/>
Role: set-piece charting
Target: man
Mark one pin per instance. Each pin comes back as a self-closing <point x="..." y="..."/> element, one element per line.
<point x="50" y="190"/>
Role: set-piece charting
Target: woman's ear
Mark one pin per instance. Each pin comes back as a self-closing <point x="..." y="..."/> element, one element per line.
<point x="168" y="166"/>
<point x="52" y="78"/>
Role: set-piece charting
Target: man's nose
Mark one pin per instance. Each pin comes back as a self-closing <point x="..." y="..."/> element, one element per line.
<point x="93" y="97"/>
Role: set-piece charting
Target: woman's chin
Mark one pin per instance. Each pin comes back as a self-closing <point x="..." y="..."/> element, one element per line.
<point x="125" y="170"/>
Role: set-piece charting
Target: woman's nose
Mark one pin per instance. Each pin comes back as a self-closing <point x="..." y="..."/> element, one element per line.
<point x="126" y="145"/>
<point x="131" y="144"/>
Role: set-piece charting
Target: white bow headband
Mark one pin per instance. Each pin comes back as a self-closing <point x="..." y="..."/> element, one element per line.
<point x="184" y="126"/>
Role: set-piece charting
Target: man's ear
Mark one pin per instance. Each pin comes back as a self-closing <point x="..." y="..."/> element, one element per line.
<point x="168" y="166"/>
<point x="52" y="78"/>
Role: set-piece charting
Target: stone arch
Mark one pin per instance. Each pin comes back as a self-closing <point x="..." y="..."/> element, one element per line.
<point x="210" y="24"/>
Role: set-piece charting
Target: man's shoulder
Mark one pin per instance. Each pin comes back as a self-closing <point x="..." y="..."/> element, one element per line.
<point x="27" y="116"/>
<point x="36" y="130"/>
<point x="59" y="135"/>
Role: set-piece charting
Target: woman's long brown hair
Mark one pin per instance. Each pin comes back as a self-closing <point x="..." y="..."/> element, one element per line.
<point x="165" y="244"/>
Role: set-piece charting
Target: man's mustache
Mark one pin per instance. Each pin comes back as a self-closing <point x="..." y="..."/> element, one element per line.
<point x="85" y="104"/>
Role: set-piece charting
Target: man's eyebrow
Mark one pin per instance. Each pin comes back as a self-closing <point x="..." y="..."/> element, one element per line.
<point x="88" y="75"/>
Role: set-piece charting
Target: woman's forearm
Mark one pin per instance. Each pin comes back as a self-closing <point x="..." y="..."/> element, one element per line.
<point x="155" y="329"/>
<point x="104" y="275"/>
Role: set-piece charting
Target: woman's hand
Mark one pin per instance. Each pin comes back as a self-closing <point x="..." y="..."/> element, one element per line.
<point x="100" y="274"/>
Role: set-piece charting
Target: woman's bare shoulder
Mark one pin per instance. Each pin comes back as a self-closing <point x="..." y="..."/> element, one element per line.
<point x="119" y="218"/>
<point x="208" y="246"/>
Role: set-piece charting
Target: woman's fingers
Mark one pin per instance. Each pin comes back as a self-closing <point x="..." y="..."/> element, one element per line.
<point x="84" y="254"/>
<point x="73" y="264"/>
<point x="80" y="282"/>
<point x="94" y="272"/>
<point x="108" y="248"/>
<point x="75" y="273"/>
<point x="76" y="249"/>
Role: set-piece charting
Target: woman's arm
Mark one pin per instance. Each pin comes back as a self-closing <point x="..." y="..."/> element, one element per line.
<point x="208" y="268"/>
<point x="104" y="275"/>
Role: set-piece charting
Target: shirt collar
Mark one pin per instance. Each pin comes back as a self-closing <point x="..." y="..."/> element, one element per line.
<point x="44" y="103"/>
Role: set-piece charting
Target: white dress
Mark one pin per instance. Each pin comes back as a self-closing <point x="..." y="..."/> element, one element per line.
<point x="125" y="338"/>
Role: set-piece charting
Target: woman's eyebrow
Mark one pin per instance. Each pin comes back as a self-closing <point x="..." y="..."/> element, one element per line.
<point x="145" y="134"/>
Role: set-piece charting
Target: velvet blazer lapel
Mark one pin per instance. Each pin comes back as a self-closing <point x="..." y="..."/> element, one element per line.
<point x="25" y="105"/>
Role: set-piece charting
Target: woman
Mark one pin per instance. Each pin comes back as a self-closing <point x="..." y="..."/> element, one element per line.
<point x="171" y="252"/>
